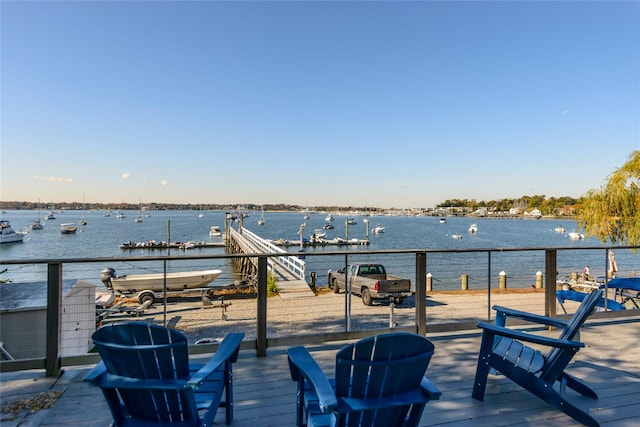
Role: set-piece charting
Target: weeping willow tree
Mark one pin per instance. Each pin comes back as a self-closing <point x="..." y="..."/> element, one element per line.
<point x="613" y="212"/>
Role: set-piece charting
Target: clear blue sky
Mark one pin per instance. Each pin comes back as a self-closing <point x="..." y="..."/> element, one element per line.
<point x="383" y="104"/>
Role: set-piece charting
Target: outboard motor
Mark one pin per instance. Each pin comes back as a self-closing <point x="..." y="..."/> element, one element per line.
<point x="106" y="275"/>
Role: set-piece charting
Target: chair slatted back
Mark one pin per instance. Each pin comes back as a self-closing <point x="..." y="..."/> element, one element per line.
<point x="145" y="351"/>
<point x="379" y="367"/>
<point x="557" y="359"/>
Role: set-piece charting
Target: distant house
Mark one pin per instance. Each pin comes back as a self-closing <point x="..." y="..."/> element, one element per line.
<point x="535" y="213"/>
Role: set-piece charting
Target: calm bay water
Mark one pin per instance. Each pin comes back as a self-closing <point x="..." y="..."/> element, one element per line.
<point x="102" y="236"/>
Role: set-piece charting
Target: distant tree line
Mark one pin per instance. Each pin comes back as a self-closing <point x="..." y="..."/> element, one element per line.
<point x="548" y="206"/>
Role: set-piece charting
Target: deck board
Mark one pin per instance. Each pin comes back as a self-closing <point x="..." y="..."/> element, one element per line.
<point x="265" y="395"/>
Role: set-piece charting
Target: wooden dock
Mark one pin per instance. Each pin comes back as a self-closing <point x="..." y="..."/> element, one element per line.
<point x="152" y="245"/>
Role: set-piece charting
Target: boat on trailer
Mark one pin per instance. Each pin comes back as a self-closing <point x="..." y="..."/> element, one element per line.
<point x="178" y="281"/>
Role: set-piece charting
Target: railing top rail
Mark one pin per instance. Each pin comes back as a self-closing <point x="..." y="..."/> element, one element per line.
<point x="322" y="253"/>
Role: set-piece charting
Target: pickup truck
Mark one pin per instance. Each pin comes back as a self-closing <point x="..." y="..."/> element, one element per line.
<point x="370" y="281"/>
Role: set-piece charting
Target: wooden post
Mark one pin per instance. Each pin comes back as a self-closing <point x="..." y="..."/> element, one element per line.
<point x="539" y="280"/>
<point x="429" y="282"/>
<point x="465" y="282"/>
<point x="550" y="273"/>
<point x="503" y="280"/>
<point x="54" y="305"/>
<point x="261" y="329"/>
<point x="421" y="294"/>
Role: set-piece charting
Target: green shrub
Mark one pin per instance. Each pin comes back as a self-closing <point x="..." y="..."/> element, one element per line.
<point x="272" y="286"/>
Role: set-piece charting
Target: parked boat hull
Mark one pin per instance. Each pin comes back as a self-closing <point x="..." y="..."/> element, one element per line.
<point x="178" y="281"/>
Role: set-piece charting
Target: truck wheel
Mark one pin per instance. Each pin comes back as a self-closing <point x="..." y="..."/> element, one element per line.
<point x="146" y="296"/>
<point x="366" y="297"/>
<point x="336" y="288"/>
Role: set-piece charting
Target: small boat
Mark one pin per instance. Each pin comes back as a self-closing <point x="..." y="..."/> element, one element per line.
<point x="82" y="221"/>
<point x="352" y="221"/>
<point x="318" y="234"/>
<point x="559" y="229"/>
<point x="261" y="220"/>
<point x="120" y="215"/>
<point x="329" y="218"/>
<point x="37" y="224"/>
<point x="155" y="281"/>
<point x="443" y="220"/>
<point x="214" y="231"/>
<point x="8" y="234"/>
<point x="307" y="216"/>
<point x="68" y="228"/>
<point x="187" y="245"/>
<point x="473" y="228"/>
<point x="574" y="235"/>
<point x="378" y="229"/>
<point x="328" y="226"/>
<point x="50" y="216"/>
<point x="139" y="217"/>
<point x="456" y="236"/>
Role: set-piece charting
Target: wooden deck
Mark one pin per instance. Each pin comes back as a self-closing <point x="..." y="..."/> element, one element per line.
<point x="265" y="395"/>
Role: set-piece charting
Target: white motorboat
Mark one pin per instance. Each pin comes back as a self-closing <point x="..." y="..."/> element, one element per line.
<point x="443" y="220"/>
<point x="473" y="228"/>
<point x="8" y="234"/>
<point x="352" y="221"/>
<point x="50" y="216"/>
<point x="329" y="217"/>
<point x="68" y="228"/>
<point x="261" y="220"/>
<point x="214" y="231"/>
<point x="456" y="236"/>
<point x="378" y="229"/>
<point x="318" y="234"/>
<point x="155" y="282"/>
<point x="574" y="235"/>
<point x="559" y="229"/>
<point x="328" y="226"/>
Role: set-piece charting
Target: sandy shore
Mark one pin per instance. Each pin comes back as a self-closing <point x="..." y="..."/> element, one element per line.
<point x="327" y="313"/>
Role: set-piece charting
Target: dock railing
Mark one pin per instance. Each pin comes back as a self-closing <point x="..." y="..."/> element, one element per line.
<point x="293" y="264"/>
<point x="335" y="318"/>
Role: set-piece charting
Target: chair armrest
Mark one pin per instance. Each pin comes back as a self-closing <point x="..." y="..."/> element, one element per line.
<point x="530" y="317"/>
<point x="227" y="352"/>
<point x="95" y="374"/>
<point x="116" y="381"/>
<point x="301" y="362"/>
<point x="430" y="388"/>
<point x="415" y="396"/>
<point x="528" y="337"/>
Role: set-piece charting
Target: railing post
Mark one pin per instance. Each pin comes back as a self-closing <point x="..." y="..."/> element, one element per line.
<point x="550" y="273"/>
<point x="54" y="304"/>
<point x="421" y="293"/>
<point x="261" y="327"/>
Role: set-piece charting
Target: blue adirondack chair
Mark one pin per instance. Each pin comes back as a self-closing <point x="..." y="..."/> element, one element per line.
<point x="379" y="381"/>
<point x="604" y="303"/>
<point x="147" y="379"/>
<point x="628" y="289"/>
<point x="503" y="349"/>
